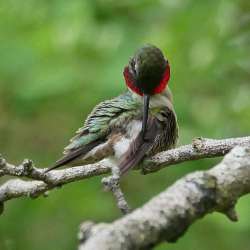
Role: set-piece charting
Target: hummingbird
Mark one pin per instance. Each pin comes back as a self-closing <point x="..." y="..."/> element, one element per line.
<point x="136" y="124"/>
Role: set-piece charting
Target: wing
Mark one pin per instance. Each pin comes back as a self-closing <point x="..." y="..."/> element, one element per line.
<point x="139" y="147"/>
<point x="97" y="127"/>
<point x="161" y="134"/>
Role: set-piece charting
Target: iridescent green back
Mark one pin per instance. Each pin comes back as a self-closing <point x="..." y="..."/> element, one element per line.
<point x="105" y="116"/>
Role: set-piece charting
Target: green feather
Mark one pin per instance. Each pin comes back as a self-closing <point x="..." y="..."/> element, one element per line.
<point x="105" y="116"/>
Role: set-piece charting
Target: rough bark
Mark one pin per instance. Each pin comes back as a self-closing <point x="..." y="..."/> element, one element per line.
<point x="41" y="182"/>
<point x="168" y="215"/>
<point x="199" y="149"/>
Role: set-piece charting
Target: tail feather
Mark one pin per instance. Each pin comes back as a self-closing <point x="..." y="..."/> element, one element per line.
<point x="72" y="155"/>
<point x="134" y="159"/>
<point x="139" y="147"/>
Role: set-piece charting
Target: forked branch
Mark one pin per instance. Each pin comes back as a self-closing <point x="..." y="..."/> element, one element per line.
<point x="40" y="182"/>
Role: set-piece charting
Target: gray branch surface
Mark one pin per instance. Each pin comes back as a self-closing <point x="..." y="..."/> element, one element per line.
<point x="40" y="183"/>
<point x="168" y="215"/>
<point x="112" y="183"/>
<point x="199" y="149"/>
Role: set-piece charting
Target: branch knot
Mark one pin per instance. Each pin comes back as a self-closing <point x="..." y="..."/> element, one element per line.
<point x="2" y="162"/>
<point x="198" y="144"/>
<point x="27" y="166"/>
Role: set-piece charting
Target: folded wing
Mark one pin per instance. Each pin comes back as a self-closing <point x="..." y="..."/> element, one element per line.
<point x="98" y="127"/>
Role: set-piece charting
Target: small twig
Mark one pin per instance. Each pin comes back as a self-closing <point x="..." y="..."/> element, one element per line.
<point x="42" y="182"/>
<point x="112" y="183"/>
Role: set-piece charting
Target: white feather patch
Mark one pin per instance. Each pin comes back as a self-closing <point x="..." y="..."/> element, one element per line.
<point x="133" y="129"/>
<point x="121" y="146"/>
<point x="93" y="151"/>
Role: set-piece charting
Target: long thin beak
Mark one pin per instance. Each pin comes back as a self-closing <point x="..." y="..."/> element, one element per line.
<point x="145" y="114"/>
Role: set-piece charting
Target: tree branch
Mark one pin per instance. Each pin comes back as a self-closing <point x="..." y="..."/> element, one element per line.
<point x="112" y="183"/>
<point x="41" y="182"/>
<point x="199" y="149"/>
<point x="168" y="215"/>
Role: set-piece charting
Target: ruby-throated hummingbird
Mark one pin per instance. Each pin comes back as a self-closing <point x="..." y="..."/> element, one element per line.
<point x="134" y="125"/>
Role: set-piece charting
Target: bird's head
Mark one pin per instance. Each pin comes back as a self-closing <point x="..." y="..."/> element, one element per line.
<point x="147" y="74"/>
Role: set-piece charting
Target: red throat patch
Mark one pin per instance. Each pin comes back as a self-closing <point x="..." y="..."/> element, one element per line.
<point x="164" y="81"/>
<point x="129" y="81"/>
<point x="159" y="88"/>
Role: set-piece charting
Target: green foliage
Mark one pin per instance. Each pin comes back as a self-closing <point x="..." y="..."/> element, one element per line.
<point x="60" y="58"/>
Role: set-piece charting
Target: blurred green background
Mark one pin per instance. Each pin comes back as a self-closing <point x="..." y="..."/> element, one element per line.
<point x="60" y="58"/>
